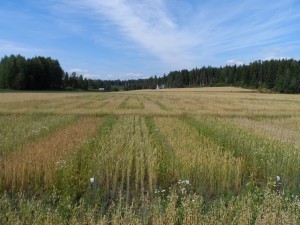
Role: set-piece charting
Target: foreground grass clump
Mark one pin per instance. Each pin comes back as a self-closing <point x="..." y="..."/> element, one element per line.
<point x="257" y="207"/>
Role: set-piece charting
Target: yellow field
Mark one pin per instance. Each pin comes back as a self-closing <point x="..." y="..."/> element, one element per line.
<point x="196" y="101"/>
<point x="183" y="156"/>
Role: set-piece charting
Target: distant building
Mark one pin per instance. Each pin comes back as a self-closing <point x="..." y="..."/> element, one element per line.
<point x="160" y="87"/>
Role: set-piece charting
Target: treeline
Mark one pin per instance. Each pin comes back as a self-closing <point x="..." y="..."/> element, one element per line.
<point x="38" y="73"/>
<point x="278" y="75"/>
<point x="78" y="82"/>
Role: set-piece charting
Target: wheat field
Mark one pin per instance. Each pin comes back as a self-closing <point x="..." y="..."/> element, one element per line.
<point x="171" y="156"/>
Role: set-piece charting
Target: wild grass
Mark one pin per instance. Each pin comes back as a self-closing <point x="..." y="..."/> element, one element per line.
<point x="259" y="207"/>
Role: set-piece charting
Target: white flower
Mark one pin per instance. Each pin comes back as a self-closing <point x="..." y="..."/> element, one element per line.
<point x="61" y="163"/>
<point x="92" y="180"/>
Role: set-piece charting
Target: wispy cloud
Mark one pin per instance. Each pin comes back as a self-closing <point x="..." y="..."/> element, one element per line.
<point x="148" y="24"/>
<point x="245" y="28"/>
<point x="232" y="62"/>
<point x="85" y="73"/>
<point x="79" y="71"/>
<point x="110" y="76"/>
<point x="9" y="47"/>
<point x="127" y="38"/>
<point x="212" y="28"/>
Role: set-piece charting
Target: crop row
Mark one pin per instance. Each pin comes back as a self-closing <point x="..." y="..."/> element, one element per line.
<point x="33" y="167"/>
<point x="263" y="158"/>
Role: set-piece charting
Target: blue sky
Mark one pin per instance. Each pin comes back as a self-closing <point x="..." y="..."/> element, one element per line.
<point x="125" y="39"/>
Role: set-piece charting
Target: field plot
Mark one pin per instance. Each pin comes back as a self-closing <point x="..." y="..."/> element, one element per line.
<point x="178" y="156"/>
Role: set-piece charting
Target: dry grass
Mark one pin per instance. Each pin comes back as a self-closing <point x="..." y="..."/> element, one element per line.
<point x="202" y="101"/>
<point x="202" y="89"/>
<point x="37" y="96"/>
<point x="34" y="165"/>
<point x="283" y="129"/>
<point x="16" y="130"/>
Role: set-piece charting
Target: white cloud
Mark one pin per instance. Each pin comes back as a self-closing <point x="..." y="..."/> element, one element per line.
<point x="85" y="73"/>
<point x="79" y="71"/>
<point x="276" y="57"/>
<point x="91" y="76"/>
<point x="232" y="62"/>
<point x="122" y="76"/>
<point x="125" y="76"/>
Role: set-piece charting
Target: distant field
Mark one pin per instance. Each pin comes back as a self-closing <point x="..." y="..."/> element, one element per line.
<point x="169" y="156"/>
<point x="222" y="101"/>
<point x="202" y="89"/>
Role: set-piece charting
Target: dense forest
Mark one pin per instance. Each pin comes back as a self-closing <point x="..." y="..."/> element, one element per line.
<point x="278" y="75"/>
<point x="38" y="73"/>
<point x="41" y="73"/>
